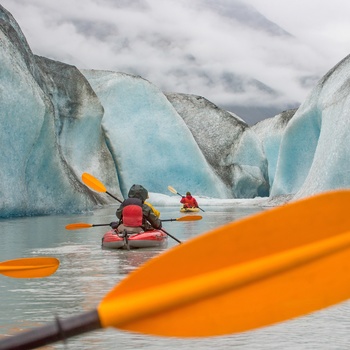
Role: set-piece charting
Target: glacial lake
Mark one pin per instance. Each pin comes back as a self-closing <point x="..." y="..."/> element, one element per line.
<point x="87" y="272"/>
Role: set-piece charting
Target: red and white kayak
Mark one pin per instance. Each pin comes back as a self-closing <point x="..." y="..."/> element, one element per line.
<point x="145" y="239"/>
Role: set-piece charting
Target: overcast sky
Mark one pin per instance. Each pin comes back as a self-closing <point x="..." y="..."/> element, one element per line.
<point x="182" y="46"/>
<point x="322" y="25"/>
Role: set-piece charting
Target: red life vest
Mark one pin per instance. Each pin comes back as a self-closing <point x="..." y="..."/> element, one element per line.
<point x="132" y="216"/>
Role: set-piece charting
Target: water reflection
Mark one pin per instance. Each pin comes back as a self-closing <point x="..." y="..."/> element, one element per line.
<point x="129" y="260"/>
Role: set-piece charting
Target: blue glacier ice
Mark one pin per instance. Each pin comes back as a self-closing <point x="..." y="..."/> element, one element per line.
<point x="44" y="125"/>
<point x="228" y="144"/>
<point x="58" y="122"/>
<point x="270" y="132"/>
<point x="314" y="154"/>
<point x="149" y="142"/>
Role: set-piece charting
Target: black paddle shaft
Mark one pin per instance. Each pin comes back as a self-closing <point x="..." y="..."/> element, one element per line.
<point x="110" y="194"/>
<point x="57" y="331"/>
<point x="177" y="240"/>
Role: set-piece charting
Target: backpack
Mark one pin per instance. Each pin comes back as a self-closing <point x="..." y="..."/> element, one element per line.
<point x="132" y="216"/>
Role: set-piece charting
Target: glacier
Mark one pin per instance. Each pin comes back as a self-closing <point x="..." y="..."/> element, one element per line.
<point x="314" y="153"/>
<point x="270" y="132"/>
<point x="227" y="143"/>
<point x="44" y="122"/>
<point x="58" y="122"/>
<point x="149" y="142"/>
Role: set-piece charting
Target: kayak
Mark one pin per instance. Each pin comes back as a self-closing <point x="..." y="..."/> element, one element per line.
<point x="189" y="210"/>
<point x="145" y="239"/>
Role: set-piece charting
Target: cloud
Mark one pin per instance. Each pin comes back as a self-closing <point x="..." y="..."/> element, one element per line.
<point x="230" y="52"/>
<point x="321" y="25"/>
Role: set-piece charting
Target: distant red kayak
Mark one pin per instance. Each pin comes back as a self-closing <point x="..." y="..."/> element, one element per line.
<point x="144" y="239"/>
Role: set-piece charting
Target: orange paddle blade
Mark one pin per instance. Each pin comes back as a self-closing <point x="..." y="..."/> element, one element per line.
<point x="93" y="183"/>
<point x="29" y="267"/>
<point x="78" y="225"/>
<point x="190" y="218"/>
<point x="264" y="269"/>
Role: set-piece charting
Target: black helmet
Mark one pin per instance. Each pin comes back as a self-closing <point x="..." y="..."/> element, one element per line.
<point x="138" y="191"/>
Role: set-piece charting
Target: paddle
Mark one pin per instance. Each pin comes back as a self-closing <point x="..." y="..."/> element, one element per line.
<point x="172" y="189"/>
<point x="81" y="225"/>
<point x="29" y="267"/>
<point x="279" y="264"/>
<point x="98" y="186"/>
<point x="186" y="218"/>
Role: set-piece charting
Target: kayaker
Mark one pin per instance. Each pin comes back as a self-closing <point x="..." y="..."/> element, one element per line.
<point x="189" y="201"/>
<point x="136" y="198"/>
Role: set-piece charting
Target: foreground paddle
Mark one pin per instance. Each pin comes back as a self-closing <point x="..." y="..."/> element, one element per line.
<point x="276" y="265"/>
<point x="98" y="186"/>
<point x="81" y="225"/>
<point x="172" y="190"/>
<point x="29" y="267"/>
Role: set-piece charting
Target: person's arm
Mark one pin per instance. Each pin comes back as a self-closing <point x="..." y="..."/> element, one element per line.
<point x="155" y="211"/>
<point x="149" y="215"/>
<point x="119" y="211"/>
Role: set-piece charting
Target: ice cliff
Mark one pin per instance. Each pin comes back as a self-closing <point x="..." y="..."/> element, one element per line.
<point x="149" y="142"/>
<point x="270" y="132"/>
<point x="48" y="111"/>
<point x="58" y="122"/>
<point x="228" y="144"/>
<point x="314" y="153"/>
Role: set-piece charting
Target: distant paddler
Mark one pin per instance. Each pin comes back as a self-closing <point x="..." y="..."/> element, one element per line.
<point x="188" y="201"/>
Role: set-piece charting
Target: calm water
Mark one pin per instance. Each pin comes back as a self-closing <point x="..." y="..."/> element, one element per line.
<point x="87" y="273"/>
